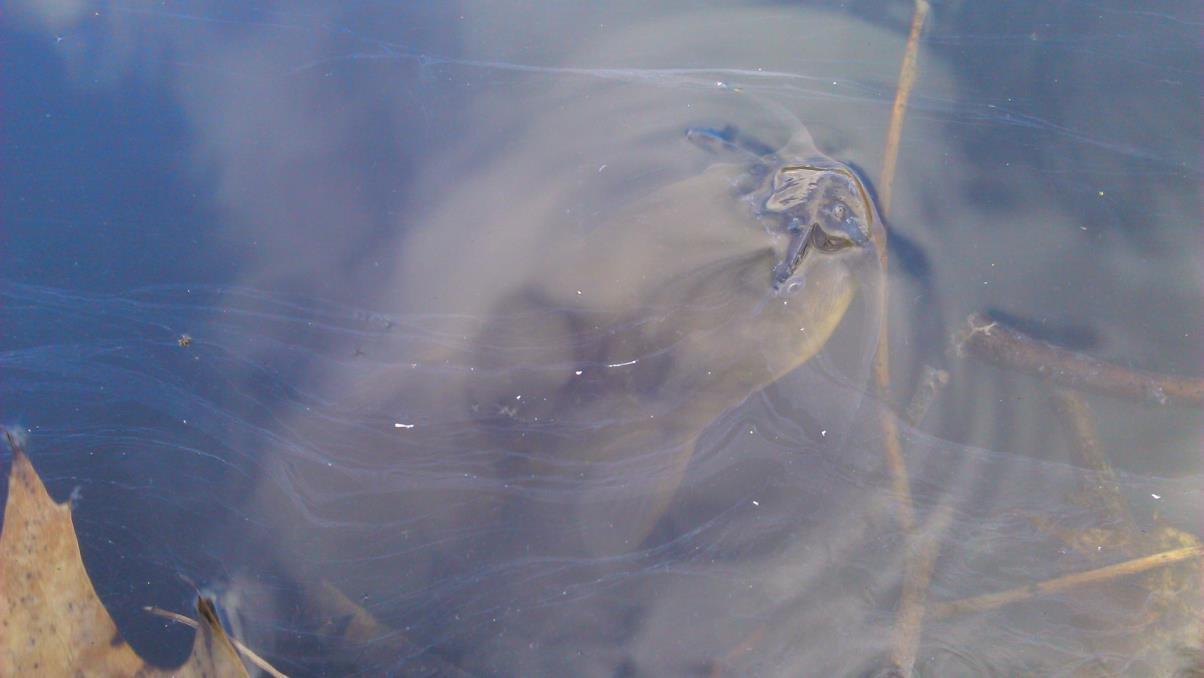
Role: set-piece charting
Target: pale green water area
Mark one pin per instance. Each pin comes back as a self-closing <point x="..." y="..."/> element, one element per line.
<point x="539" y="335"/>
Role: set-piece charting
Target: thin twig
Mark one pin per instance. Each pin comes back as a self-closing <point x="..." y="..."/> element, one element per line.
<point x="995" y="600"/>
<point x="243" y="649"/>
<point x="1088" y="453"/>
<point x="893" y="449"/>
<point x="995" y="342"/>
<point x="907" y="79"/>
<point x="909" y="618"/>
<point x="911" y="608"/>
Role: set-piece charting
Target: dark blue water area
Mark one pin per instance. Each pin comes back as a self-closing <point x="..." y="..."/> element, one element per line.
<point x="98" y="192"/>
<point x="246" y="246"/>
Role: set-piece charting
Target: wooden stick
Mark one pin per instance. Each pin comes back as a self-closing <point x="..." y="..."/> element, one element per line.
<point x="996" y="343"/>
<point x="918" y="566"/>
<point x="1087" y="452"/>
<point x="910" y="614"/>
<point x="907" y="79"/>
<point x="243" y="649"/>
<point x="893" y="449"/>
<point x="994" y="600"/>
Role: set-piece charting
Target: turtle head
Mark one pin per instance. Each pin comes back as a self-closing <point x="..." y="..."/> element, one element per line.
<point x="826" y="229"/>
<point x="824" y="208"/>
<point x="789" y="260"/>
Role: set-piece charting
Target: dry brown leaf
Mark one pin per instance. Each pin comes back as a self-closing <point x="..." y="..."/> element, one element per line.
<point x="51" y="621"/>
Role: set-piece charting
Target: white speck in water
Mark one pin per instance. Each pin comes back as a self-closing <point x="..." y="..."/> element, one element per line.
<point x="756" y="503"/>
<point x="1156" y="496"/>
<point x="601" y="167"/>
<point x="629" y="362"/>
<point x="518" y="397"/>
<point x="578" y="292"/>
<point x="398" y="424"/>
<point x="578" y="372"/>
<point x="823" y="433"/>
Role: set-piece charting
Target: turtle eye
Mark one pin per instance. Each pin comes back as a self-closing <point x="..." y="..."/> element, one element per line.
<point x="840" y="211"/>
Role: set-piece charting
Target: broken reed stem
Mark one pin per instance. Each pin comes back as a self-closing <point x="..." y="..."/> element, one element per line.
<point x="917" y="575"/>
<point x="1087" y="453"/>
<point x="1103" y="574"/>
<point x="893" y="449"/>
<point x="892" y="446"/>
<point x="910" y="613"/>
<point x="996" y="343"/>
<point x="907" y="79"/>
<point x="243" y="649"/>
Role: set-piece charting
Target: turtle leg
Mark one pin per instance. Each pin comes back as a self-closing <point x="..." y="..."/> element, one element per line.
<point x="729" y="145"/>
<point x="728" y="141"/>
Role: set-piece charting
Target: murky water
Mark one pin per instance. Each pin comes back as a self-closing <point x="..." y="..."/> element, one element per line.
<point x="501" y="332"/>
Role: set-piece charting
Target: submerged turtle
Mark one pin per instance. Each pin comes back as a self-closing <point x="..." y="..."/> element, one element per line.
<point x="601" y="371"/>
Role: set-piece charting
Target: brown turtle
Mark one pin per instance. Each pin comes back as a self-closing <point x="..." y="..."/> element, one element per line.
<point x="602" y="370"/>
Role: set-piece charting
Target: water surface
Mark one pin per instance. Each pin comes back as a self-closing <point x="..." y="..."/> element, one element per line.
<point x="444" y="266"/>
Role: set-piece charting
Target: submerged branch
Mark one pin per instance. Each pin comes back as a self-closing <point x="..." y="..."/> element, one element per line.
<point x="994" y="600"/>
<point x="917" y="575"/>
<point x="996" y="343"/>
<point x="886" y="418"/>
<point x="910" y="614"/>
<point x="1101" y="487"/>
<point x="907" y="79"/>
